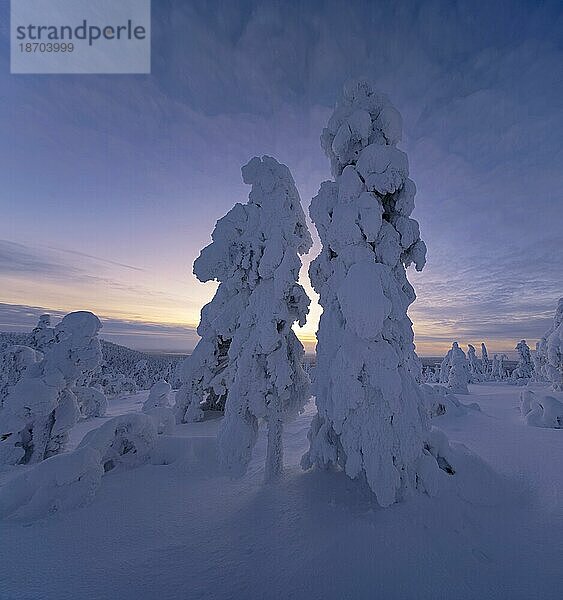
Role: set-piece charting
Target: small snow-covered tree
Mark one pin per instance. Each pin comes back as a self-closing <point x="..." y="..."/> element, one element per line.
<point x="549" y="351"/>
<point x="265" y="356"/>
<point x="159" y="395"/>
<point x="371" y="419"/>
<point x="458" y="373"/>
<point x="475" y="367"/>
<point x="429" y="375"/>
<point x="43" y="334"/>
<point x="498" y="371"/>
<point x="92" y="401"/>
<point x="485" y="362"/>
<point x="457" y="355"/>
<point x="41" y="408"/>
<point x="525" y="367"/>
<point x="157" y="405"/>
<point x="141" y="375"/>
<point x="14" y="361"/>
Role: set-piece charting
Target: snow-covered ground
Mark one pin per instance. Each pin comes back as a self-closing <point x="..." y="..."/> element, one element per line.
<point x="178" y="529"/>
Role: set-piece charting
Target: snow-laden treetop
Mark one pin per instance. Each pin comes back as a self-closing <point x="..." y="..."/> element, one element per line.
<point x="362" y="117"/>
<point x="360" y="140"/>
<point x="239" y="253"/>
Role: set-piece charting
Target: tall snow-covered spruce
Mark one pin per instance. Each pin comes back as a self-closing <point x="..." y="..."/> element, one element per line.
<point x="249" y="355"/>
<point x="371" y="419"/>
<point x="549" y="351"/>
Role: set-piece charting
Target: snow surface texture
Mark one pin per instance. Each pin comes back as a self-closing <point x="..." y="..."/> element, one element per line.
<point x="541" y="410"/>
<point x="41" y="408"/>
<point x="549" y="351"/>
<point x="372" y="421"/>
<point x="175" y="527"/>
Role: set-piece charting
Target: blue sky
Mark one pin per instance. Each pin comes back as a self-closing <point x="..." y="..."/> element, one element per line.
<point x="110" y="185"/>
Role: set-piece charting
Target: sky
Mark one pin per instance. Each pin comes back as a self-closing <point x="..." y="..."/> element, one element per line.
<point x="111" y="185"/>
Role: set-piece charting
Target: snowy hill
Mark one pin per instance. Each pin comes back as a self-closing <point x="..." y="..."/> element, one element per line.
<point x="119" y="358"/>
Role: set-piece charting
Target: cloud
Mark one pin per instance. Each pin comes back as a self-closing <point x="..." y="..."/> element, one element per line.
<point x="97" y="258"/>
<point x="19" y="259"/>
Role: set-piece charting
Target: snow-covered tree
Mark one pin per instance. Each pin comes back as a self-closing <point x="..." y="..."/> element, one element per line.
<point x="43" y="334"/>
<point x="92" y="401"/>
<point x="549" y="351"/>
<point x="458" y="373"/>
<point x="14" y="361"/>
<point x="371" y="418"/>
<point x="141" y="375"/>
<point x="41" y="408"/>
<point x="485" y="362"/>
<point x="429" y="375"/>
<point x="475" y="368"/>
<point x="498" y="371"/>
<point x="541" y="410"/>
<point x="444" y="371"/>
<point x="158" y="396"/>
<point x="525" y="367"/>
<point x="157" y="405"/>
<point x="266" y="358"/>
<point x="455" y="355"/>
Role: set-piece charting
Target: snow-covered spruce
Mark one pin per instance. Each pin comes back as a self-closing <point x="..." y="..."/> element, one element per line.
<point x="440" y="401"/>
<point x="458" y="373"/>
<point x="454" y="370"/>
<point x="43" y="335"/>
<point x="475" y="368"/>
<point x="125" y="441"/>
<point x="257" y="246"/>
<point x="158" y="396"/>
<point x="92" y="401"/>
<point x="429" y="375"/>
<point x="549" y="351"/>
<point x="157" y="405"/>
<point x="70" y="480"/>
<point x="205" y="376"/>
<point x="14" y="361"/>
<point x="485" y="362"/>
<point x="541" y="410"/>
<point x="498" y="371"/>
<point x="371" y="418"/>
<point x="41" y="408"/>
<point x="525" y="368"/>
